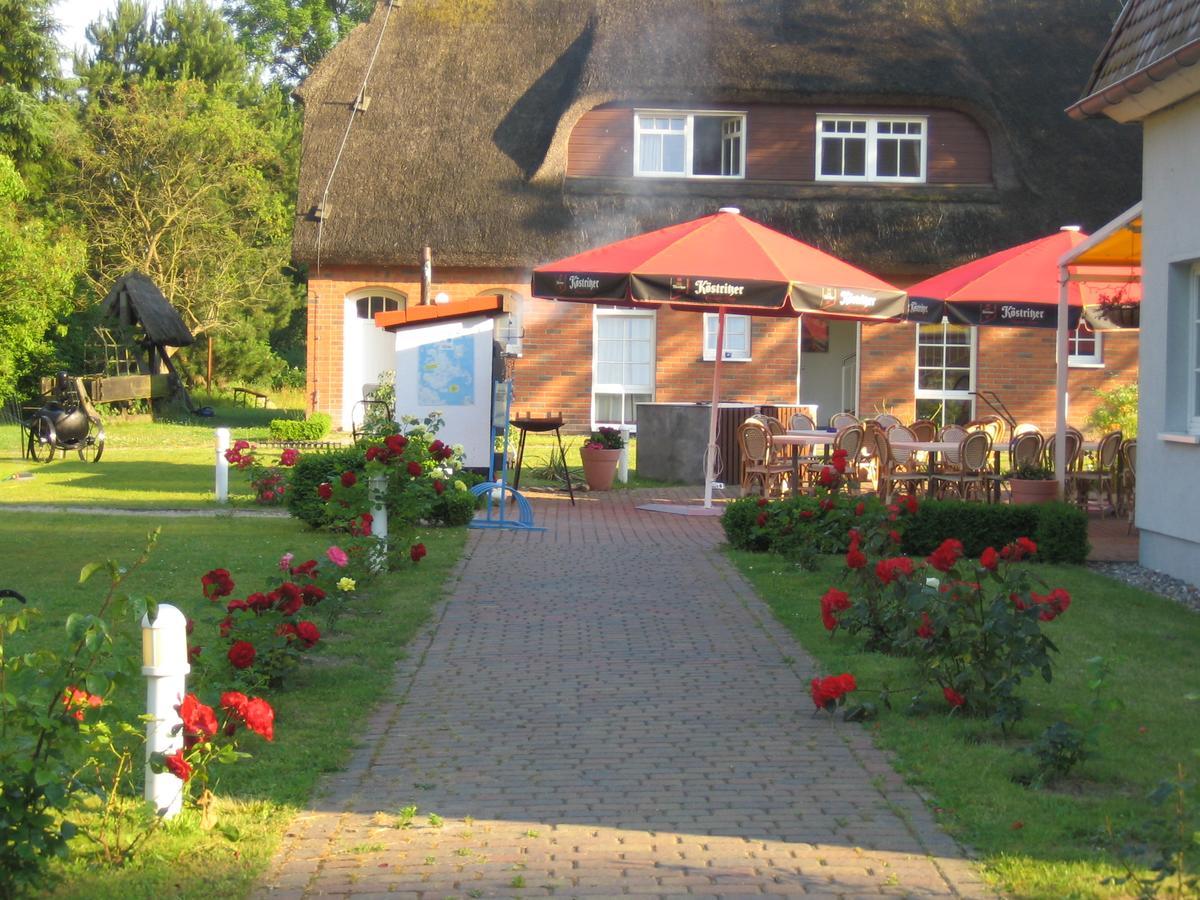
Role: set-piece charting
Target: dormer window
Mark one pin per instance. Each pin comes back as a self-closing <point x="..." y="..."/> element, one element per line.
<point x="689" y="145"/>
<point x="871" y="148"/>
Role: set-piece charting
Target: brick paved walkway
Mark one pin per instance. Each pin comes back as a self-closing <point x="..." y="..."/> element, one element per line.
<point x="604" y="709"/>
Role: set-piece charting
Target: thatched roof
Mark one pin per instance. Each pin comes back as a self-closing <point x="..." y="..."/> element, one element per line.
<point x="1151" y="39"/>
<point x="135" y="299"/>
<point x="463" y="146"/>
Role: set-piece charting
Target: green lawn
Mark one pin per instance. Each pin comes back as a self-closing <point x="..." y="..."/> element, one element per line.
<point x="1034" y="843"/>
<point x="145" y="464"/>
<point x="324" y="705"/>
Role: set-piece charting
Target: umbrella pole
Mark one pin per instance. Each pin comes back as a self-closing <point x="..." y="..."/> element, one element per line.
<point x="710" y="456"/>
<point x="1060" y="393"/>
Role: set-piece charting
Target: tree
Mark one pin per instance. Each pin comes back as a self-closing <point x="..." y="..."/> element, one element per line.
<point x="179" y="182"/>
<point x="187" y="40"/>
<point x="290" y="37"/>
<point x="38" y="270"/>
<point x="29" y="72"/>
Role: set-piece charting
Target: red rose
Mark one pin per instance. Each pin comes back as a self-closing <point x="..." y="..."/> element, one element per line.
<point x="1019" y="549"/>
<point x="194" y="653"/>
<point x="216" y="583"/>
<point x="762" y="501"/>
<point x="826" y="504"/>
<point x="234" y="702"/>
<point x="833" y="602"/>
<point x="417" y="552"/>
<point x="887" y="570"/>
<point x="242" y="654"/>
<point x="225" y="626"/>
<point x="414" y="469"/>
<point x="312" y="594"/>
<point x="989" y="559"/>
<point x="438" y="487"/>
<point x="289" y="599"/>
<point x="197" y="718"/>
<point x="289" y="457"/>
<point x="396" y="442"/>
<point x="953" y="697"/>
<point x="308" y="633"/>
<point x="826" y="692"/>
<point x="761" y="520"/>
<point x="191" y="626"/>
<point x="925" y="629"/>
<point x="1052" y="605"/>
<point x="257" y="601"/>
<point x="324" y="490"/>
<point x="827" y="478"/>
<point x="178" y="766"/>
<point x="308" y="568"/>
<point x="855" y="558"/>
<point x="349" y="479"/>
<point x="806" y="514"/>
<point x="911" y="505"/>
<point x="945" y="556"/>
<point x="260" y="718"/>
<point x="860" y="508"/>
<point x="894" y="535"/>
<point x="839" y="460"/>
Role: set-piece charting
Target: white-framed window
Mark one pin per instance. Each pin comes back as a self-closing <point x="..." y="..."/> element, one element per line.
<point x="1193" y="407"/>
<point x="366" y="307"/>
<point x="623" y="350"/>
<point x="735" y="343"/>
<point x="871" y="148"/>
<point x="675" y="144"/>
<point x="945" y="382"/>
<point x="1085" y="347"/>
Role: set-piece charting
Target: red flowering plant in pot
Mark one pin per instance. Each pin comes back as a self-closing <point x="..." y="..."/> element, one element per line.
<point x="211" y="738"/>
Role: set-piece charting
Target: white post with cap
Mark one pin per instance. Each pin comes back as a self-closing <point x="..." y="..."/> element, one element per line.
<point x="165" y="665"/>
<point x="222" y="480"/>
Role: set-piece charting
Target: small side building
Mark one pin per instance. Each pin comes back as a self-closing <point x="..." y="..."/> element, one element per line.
<point x="1149" y="73"/>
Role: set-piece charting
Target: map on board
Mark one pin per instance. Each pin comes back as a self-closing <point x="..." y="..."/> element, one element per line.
<point x="446" y="372"/>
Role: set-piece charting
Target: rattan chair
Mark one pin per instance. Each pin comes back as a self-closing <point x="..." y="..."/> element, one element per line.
<point x="850" y="439"/>
<point x="762" y="472"/>
<point x="1104" y="476"/>
<point x="801" y="422"/>
<point x="1129" y="479"/>
<point x="924" y="429"/>
<point x="1072" y="444"/>
<point x="842" y="419"/>
<point x="1024" y="449"/>
<point x="1025" y="428"/>
<point x="897" y="466"/>
<point x="971" y="472"/>
<point x="993" y="425"/>
<point x="887" y="420"/>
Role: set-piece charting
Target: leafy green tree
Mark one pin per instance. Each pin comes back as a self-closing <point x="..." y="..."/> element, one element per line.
<point x="29" y="73"/>
<point x="187" y="40"/>
<point x="290" y="37"/>
<point x="176" y="180"/>
<point x="38" y="271"/>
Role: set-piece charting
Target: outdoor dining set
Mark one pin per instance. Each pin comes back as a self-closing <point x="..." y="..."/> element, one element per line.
<point x="982" y="459"/>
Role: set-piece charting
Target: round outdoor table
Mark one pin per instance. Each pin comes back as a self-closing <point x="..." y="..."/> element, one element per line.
<point x="796" y="439"/>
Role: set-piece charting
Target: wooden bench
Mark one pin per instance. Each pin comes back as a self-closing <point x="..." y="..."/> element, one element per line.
<point x="243" y="396"/>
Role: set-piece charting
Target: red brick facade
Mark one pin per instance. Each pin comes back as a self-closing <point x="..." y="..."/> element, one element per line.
<point x="554" y="372"/>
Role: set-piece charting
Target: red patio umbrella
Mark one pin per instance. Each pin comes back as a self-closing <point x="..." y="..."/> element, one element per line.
<point x="720" y="263"/>
<point x="1016" y="287"/>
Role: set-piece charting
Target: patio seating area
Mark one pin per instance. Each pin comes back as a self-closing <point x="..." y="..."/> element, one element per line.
<point x="980" y="460"/>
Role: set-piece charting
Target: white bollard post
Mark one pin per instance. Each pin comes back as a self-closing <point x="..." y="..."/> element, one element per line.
<point x="222" y="465"/>
<point x="165" y="665"/>
<point x="623" y="462"/>
<point x="379" y="522"/>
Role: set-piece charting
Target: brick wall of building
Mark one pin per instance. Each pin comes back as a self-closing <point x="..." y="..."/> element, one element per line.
<point x="555" y="371"/>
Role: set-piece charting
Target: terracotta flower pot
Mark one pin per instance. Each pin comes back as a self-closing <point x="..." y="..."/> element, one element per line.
<point x="599" y="467"/>
<point x="1024" y="491"/>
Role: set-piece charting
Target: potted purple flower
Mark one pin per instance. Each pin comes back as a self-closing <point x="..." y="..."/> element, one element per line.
<point x="600" y="454"/>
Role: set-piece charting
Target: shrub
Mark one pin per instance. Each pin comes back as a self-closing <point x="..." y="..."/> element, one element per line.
<point x="313" y="428"/>
<point x="455" y="508"/>
<point x="1060" y="529"/>
<point x="1117" y="410"/>
<point x="313" y="469"/>
<point x="802" y="525"/>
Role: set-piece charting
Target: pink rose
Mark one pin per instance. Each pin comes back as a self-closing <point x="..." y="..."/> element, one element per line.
<point x="285" y="561"/>
<point x="337" y="556"/>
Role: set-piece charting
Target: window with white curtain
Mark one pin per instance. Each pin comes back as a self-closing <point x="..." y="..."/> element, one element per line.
<point x="735" y="343"/>
<point x="622" y="365"/>
<point x="689" y="144"/>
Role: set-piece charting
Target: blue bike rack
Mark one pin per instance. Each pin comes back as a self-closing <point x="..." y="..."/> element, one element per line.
<point x="499" y="494"/>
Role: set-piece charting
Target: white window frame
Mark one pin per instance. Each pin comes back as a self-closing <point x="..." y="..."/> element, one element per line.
<point x="1093" y="360"/>
<point x="920" y="393"/>
<point x="1193" y="408"/>
<point x="598" y="387"/>
<point x="709" y="338"/>
<point x="688" y="131"/>
<point x="872" y="138"/>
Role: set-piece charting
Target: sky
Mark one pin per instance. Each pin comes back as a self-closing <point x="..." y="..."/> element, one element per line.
<point x="75" y="15"/>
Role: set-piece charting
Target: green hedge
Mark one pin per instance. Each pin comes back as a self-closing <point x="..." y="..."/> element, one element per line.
<point x="799" y="525"/>
<point x="1059" y="529"/>
<point x="313" y="428"/>
<point x="312" y="469"/>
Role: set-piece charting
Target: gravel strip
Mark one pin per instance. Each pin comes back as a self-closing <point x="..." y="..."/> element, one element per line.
<point x="1148" y="580"/>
